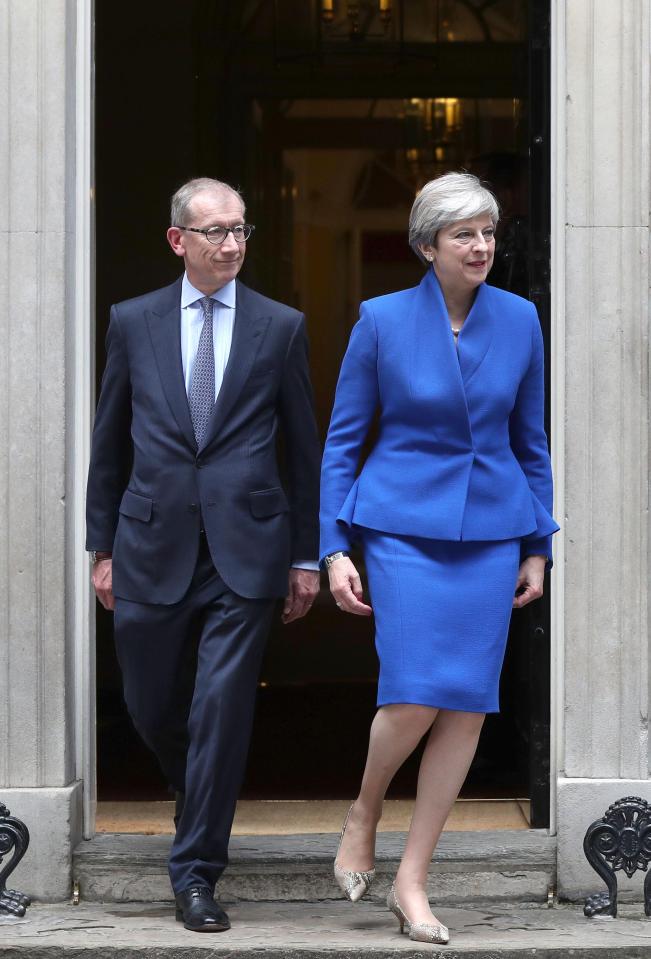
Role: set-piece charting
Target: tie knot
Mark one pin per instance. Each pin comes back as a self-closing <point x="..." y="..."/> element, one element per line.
<point x="207" y="304"/>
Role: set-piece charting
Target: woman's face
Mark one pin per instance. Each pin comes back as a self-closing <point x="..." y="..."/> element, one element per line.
<point x="463" y="253"/>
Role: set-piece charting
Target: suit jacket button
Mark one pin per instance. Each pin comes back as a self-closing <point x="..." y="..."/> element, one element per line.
<point x="193" y="508"/>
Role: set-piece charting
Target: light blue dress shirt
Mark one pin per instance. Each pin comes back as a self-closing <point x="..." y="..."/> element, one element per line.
<point x="223" y="320"/>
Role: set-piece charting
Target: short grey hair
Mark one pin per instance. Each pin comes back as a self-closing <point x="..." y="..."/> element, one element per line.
<point x="179" y="212"/>
<point x="444" y="201"/>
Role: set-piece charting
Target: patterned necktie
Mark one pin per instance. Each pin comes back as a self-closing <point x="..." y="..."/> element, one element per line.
<point x="202" y="386"/>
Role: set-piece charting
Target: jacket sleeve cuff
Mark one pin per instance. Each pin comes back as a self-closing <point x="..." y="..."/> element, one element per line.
<point x="542" y="546"/>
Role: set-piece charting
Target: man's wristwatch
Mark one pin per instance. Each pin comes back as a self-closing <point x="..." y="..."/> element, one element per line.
<point x="96" y="554"/>
<point x="333" y="557"/>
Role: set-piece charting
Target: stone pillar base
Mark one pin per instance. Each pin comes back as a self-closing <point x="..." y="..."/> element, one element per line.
<point x="54" y="819"/>
<point x="580" y="802"/>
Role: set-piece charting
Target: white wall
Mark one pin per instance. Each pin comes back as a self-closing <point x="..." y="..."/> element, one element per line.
<point x="37" y="197"/>
<point x="601" y="57"/>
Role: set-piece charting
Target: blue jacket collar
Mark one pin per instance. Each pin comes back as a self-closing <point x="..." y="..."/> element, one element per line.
<point x="438" y="367"/>
<point x="477" y="332"/>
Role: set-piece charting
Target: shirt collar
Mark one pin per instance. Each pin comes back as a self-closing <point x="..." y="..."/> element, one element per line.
<point x="189" y="294"/>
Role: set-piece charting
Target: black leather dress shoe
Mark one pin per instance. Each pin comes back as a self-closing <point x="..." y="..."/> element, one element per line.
<point x="198" y="911"/>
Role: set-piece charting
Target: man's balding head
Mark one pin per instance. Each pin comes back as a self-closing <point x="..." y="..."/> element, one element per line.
<point x="180" y="208"/>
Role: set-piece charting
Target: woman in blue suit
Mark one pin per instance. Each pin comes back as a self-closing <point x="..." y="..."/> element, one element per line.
<point x="453" y="511"/>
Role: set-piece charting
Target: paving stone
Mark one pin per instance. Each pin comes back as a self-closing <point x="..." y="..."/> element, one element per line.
<point x="309" y="931"/>
<point x="516" y="865"/>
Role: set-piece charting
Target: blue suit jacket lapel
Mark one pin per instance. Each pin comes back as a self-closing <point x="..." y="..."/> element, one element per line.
<point x="434" y="353"/>
<point x="247" y="337"/>
<point x="477" y="334"/>
<point x="165" y="331"/>
<point x="433" y="357"/>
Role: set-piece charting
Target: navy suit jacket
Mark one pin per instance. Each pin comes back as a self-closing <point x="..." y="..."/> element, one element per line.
<point x="461" y="452"/>
<point x="149" y="487"/>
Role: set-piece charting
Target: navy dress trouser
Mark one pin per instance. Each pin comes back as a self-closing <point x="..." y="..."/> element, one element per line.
<point x="190" y="672"/>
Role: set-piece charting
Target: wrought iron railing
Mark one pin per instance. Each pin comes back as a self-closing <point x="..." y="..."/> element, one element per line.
<point x="14" y="840"/>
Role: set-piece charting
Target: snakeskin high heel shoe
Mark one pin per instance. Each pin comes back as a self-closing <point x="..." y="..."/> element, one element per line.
<point x="418" y="931"/>
<point x="353" y="884"/>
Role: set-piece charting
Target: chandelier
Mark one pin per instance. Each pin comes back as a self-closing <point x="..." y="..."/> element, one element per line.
<point x="356" y="11"/>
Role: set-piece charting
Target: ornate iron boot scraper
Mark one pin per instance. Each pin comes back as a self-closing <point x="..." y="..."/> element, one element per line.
<point x="621" y="840"/>
<point x="14" y="839"/>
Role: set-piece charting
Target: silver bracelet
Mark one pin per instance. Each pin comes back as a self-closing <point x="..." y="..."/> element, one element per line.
<point x="333" y="557"/>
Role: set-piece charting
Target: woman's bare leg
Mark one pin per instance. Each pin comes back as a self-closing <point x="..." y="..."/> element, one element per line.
<point x="451" y="745"/>
<point x="395" y="732"/>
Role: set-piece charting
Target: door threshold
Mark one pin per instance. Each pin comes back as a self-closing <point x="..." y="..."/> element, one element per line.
<point x="270" y="817"/>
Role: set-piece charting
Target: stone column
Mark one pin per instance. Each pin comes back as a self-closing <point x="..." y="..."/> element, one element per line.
<point x="37" y="194"/>
<point x="602" y="61"/>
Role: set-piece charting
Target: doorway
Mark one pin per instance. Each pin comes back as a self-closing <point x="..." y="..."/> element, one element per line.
<point x="329" y="120"/>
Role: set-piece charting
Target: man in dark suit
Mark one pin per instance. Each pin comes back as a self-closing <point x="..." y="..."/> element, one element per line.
<point x="194" y="537"/>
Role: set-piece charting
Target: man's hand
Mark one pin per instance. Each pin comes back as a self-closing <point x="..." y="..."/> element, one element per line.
<point x="531" y="577"/>
<point x="103" y="582"/>
<point x="346" y="587"/>
<point x="303" y="590"/>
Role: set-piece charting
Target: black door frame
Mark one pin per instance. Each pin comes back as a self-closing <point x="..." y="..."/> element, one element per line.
<point x="216" y="88"/>
<point x="539" y="69"/>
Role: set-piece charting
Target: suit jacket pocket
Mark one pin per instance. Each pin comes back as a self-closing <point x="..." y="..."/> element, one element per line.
<point x="268" y="502"/>
<point x="136" y="506"/>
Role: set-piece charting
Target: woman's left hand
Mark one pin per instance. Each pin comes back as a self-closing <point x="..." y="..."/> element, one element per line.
<point x="531" y="577"/>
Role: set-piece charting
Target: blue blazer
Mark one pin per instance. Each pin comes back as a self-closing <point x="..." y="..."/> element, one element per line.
<point x="150" y="488"/>
<point x="461" y="451"/>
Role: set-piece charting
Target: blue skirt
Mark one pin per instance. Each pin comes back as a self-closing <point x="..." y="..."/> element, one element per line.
<point x="442" y="611"/>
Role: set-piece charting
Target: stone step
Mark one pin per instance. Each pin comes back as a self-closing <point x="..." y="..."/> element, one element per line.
<point x="511" y="866"/>
<point x="332" y="930"/>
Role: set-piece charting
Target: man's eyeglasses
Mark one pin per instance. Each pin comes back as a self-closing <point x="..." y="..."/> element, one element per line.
<point x="217" y="234"/>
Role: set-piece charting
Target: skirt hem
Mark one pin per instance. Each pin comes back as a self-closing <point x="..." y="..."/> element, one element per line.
<point x="412" y="700"/>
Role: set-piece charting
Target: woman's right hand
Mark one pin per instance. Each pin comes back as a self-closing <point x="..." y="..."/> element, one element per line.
<point x="346" y="587"/>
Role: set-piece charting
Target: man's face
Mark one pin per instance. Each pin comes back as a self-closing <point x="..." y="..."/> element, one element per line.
<point x="209" y="267"/>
